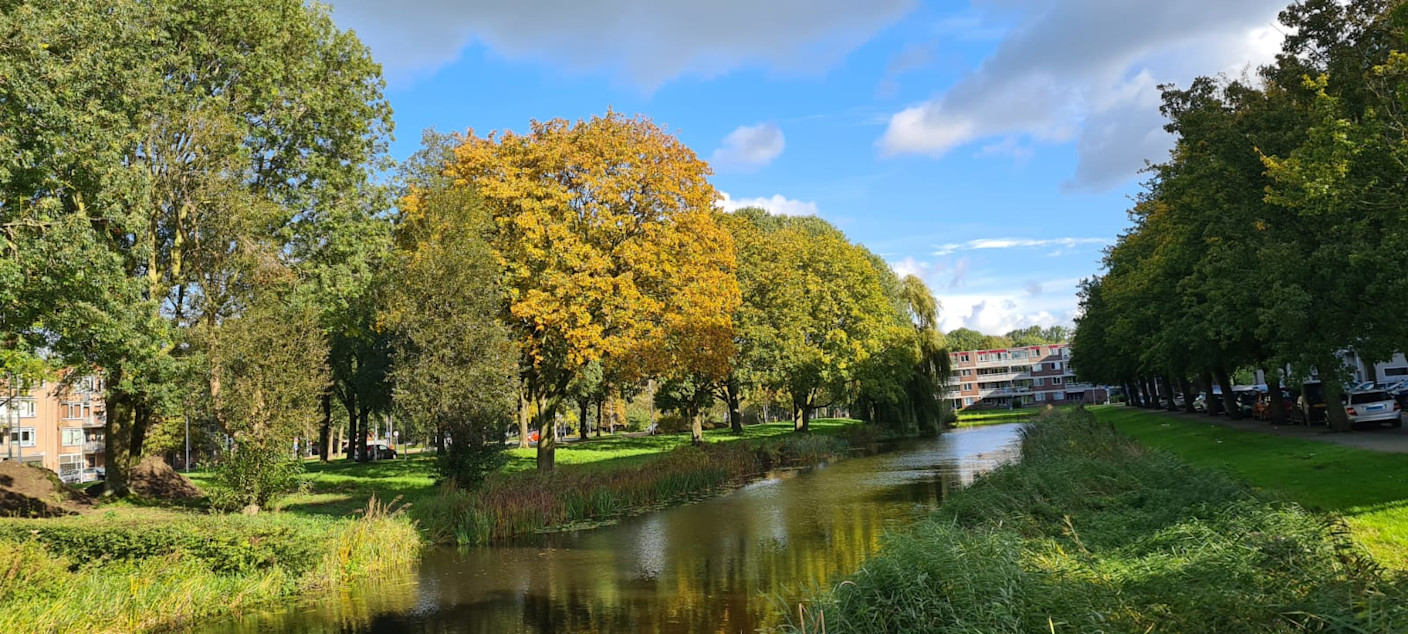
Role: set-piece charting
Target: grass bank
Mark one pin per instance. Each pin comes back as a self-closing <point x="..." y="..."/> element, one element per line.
<point x="150" y="569"/>
<point x="1092" y="531"/>
<point x="1369" y="489"/>
<point x="580" y="494"/>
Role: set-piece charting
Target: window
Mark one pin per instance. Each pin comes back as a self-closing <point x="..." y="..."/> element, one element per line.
<point x="967" y="401"/>
<point x="1056" y="365"/>
<point x="1396" y="371"/>
<point x="965" y="373"/>
<point x="967" y="387"/>
<point x="963" y="358"/>
<point x="72" y="437"/>
<point x="1038" y="381"/>
<point x="1041" y="396"/>
<point x="1055" y="380"/>
<point x="23" y="407"/>
<point x="75" y="411"/>
<point x="982" y="358"/>
<point x="1058" y="396"/>
<point x="23" y="435"/>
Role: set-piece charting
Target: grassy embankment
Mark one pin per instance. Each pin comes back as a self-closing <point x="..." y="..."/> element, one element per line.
<point x="1093" y="531"/>
<point x="139" y="565"/>
<point x="1369" y="489"/>
<point x="134" y="569"/>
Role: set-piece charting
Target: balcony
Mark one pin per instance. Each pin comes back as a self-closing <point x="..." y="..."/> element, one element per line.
<point x="93" y="446"/>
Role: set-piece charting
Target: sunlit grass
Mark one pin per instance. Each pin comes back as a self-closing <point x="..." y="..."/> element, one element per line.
<point x="1369" y="488"/>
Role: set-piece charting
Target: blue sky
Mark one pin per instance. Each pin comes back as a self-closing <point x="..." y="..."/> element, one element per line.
<point x="991" y="147"/>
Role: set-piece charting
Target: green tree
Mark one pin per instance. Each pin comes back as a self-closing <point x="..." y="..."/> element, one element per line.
<point x="122" y="153"/>
<point x="455" y="367"/>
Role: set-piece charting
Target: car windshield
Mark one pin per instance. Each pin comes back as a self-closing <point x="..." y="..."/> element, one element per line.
<point x="1368" y="397"/>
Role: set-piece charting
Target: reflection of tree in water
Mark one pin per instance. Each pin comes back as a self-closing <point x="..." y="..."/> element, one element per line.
<point x="715" y="566"/>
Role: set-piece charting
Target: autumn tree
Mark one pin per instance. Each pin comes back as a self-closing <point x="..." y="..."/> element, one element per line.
<point x="598" y="225"/>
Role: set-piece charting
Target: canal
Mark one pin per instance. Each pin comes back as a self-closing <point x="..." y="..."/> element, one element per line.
<point x="725" y="564"/>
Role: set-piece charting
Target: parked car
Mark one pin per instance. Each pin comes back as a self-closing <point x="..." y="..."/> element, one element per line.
<point x="1262" y="410"/>
<point x="1373" y="406"/>
<point x="1246" y="397"/>
<point x="1310" y="405"/>
<point x="1201" y="403"/>
<point x="380" y="451"/>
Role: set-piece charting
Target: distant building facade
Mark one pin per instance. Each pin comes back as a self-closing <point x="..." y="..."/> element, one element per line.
<point x="56" y="425"/>
<point x="1030" y="376"/>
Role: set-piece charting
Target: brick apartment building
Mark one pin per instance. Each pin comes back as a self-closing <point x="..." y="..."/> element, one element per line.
<point x="1018" y="377"/>
<point x="55" y="425"/>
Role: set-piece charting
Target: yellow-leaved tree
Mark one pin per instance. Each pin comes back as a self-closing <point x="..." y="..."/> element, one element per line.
<point x="610" y="249"/>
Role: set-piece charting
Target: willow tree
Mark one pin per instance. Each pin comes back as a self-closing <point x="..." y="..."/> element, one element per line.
<point x="599" y="226"/>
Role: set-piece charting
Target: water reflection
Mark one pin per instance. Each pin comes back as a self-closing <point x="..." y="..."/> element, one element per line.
<point x="713" y="566"/>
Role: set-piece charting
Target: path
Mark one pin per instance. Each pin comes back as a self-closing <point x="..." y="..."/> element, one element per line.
<point x="1383" y="439"/>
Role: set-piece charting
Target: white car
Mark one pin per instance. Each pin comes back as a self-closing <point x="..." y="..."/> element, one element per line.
<point x="1373" y="406"/>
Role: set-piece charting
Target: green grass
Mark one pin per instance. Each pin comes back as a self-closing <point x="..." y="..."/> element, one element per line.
<point x="137" y="569"/>
<point x="1094" y="532"/>
<point x="1368" y="488"/>
<point x="981" y="418"/>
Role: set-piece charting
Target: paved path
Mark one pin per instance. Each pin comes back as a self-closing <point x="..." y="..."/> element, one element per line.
<point x="1381" y="439"/>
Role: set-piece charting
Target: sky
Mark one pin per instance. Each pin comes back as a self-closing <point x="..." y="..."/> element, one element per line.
<point x="991" y="147"/>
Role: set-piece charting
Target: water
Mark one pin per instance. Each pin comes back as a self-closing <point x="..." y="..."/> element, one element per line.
<point x="720" y="565"/>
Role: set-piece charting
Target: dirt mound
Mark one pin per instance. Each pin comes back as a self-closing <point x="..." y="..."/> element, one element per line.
<point x="153" y="478"/>
<point x="33" y="491"/>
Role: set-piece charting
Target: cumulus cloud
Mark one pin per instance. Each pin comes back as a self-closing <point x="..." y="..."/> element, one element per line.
<point x="1087" y="71"/>
<point x="1001" y="310"/>
<point x="910" y="266"/>
<point x="749" y="147"/>
<point x="1014" y="243"/>
<point x="644" y="42"/>
<point x="777" y="204"/>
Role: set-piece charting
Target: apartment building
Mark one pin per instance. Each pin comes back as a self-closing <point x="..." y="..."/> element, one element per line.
<point x="58" y="425"/>
<point x="1018" y="377"/>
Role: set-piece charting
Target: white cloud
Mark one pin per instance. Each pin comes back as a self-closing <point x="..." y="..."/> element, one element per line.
<point x="777" y="204"/>
<point x="1015" y="243"/>
<point x="910" y="266"/>
<point x="1001" y="310"/>
<point x="644" y="42"/>
<point x="1088" y="71"/>
<point x="749" y="147"/>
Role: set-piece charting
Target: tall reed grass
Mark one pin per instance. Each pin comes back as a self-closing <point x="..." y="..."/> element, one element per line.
<point x="516" y="504"/>
<point x="47" y="585"/>
<point x="1091" y="532"/>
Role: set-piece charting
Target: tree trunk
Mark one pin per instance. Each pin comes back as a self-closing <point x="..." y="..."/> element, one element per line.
<point x="1129" y="397"/>
<point x="735" y="414"/>
<point x="1274" y="396"/>
<point x="1229" y="400"/>
<point x="340" y="438"/>
<point x="1150" y="398"/>
<point x="141" y="422"/>
<point x="1168" y="393"/>
<point x="361" y="439"/>
<point x="547" y="440"/>
<point x="1336" y="419"/>
<point x="325" y="429"/>
<point x="351" y="404"/>
<point x="582" y="416"/>
<point x="1207" y="389"/>
<point x="117" y="442"/>
<point x="522" y="423"/>
<point x="598" y="417"/>
<point x="1187" y="387"/>
<point x="696" y="428"/>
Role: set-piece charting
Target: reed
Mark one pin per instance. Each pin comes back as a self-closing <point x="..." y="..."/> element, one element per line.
<point x="527" y="502"/>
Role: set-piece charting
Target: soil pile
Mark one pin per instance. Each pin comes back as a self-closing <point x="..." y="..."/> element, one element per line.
<point x="153" y="478"/>
<point x="33" y="491"/>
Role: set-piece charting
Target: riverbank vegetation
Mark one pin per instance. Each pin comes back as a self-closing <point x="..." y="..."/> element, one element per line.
<point x="140" y="569"/>
<point x="1094" y="531"/>
<point x="1270" y="237"/>
<point x="1369" y="489"/>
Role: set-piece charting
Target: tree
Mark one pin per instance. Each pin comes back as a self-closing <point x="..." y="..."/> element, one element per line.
<point x="268" y="395"/>
<point x="122" y="153"/>
<point x="962" y="339"/>
<point x="601" y="227"/>
<point x="455" y="368"/>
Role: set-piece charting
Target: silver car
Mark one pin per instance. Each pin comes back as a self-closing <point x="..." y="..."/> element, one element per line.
<point x="1373" y="406"/>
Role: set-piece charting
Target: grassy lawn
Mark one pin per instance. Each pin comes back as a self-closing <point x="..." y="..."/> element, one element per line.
<point x="1368" y="488"/>
<point x="980" y="418"/>
<point x="339" y="488"/>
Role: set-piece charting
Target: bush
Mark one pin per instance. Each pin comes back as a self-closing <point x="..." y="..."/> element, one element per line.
<point x="253" y="475"/>
<point x="1092" y="532"/>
